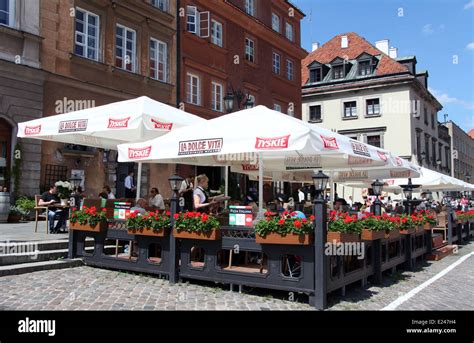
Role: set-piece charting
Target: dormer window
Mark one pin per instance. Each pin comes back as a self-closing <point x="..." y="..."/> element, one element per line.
<point x="338" y="72"/>
<point x="315" y="75"/>
<point x="365" y="68"/>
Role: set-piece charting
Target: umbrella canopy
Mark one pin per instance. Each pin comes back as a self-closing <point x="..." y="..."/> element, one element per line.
<point x="429" y="180"/>
<point x="258" y="133"/>
<point x="109" y="125"/>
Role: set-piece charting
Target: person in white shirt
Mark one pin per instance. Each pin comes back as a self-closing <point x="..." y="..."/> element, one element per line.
<point x="300" y="195"/>
<point x="156" y="200"/>
<point x="129" y="185"/>
<point x="108" y="191"/>
<point x="186" y="191"/>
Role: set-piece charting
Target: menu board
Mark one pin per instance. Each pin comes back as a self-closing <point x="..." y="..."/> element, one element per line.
<point x="240" y="215"/>
<point x="122" y="210"/>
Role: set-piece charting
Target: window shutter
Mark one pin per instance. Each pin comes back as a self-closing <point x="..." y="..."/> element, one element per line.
<point x="204" y="24"/>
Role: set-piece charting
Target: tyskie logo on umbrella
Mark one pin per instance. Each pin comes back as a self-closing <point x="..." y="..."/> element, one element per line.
<point x="118" y="123"/>
<point x="330" y="143"/>
<point x="382" y="155"/>
<point x="138" y="153"/>
<point x="72" y="125"/>
<point x="32" y="130"/>
<point x="200" y="146"/>
<point x="272" y="143"/>
<point x="162" y="126"/>
<point x="360" y="148"/>
<point x="399" y="161"/>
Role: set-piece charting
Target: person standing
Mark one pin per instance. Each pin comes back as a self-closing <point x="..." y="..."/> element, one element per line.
<point x="186" y="192"/>
<point x="201" y="200"/>
<point x="130" y="186"/>
<point x="48" y="199"/>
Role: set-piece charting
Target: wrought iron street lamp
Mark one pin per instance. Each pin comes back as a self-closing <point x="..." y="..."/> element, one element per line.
<point x="238" y="98"/>
<point x="175" y="184"/>
<point x="319" y="300"/>
<point x="229" y="102"/>
<point x="377" y="188"/>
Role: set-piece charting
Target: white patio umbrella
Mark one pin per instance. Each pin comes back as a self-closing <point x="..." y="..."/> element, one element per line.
<point x="242" y="136"/>
<point x="107" y="126"/>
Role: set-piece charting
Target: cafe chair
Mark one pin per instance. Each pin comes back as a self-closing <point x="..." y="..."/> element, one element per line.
<point x="41" y="212"/>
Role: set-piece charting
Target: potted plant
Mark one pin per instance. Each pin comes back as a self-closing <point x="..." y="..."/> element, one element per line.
<point x="343" y="228"/>
<point x="15" y="214"/>
<point x="26" y="205"/>
<point x="89" y="219"/>
<point x="149" y="224"/>
<point x="64" y="191"/>
<point x="405" y="225"/>
<point x="429" y="220"/>
<point x="196" y="225"/>
<point x="392" y="231"/>
<point x="285" y="229"/>
<point x="374" y="227"/>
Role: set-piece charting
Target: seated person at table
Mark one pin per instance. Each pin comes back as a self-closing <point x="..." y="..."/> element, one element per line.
<point x="48" y="199"/>
<point x="201" y="201"/>
<point x="156" y="200"/>
<point x="109" y="193"/>
<point x="139" y="206"/>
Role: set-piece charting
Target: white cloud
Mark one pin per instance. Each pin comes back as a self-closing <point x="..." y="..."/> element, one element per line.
<point x="470" y="46"/>
<point x="428" y="29"/>
<point x="444" y="98"/>
<point x="469" y="5"/>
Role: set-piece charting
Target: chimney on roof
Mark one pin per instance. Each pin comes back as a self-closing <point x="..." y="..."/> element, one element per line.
<point x="393" y="52"/>
<point x="344" y="42"/>
<point x="315" y="46"/>
<point x="382" y="45"/>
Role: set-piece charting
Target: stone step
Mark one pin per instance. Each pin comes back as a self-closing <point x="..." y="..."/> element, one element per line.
<point x="38" y="266"/>
<point x="41" y="245"/>
<point x="440" y="253"/>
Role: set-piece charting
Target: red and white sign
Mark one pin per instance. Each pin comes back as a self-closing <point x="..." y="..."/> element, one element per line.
<point x="162" y="126"/>
<point x="201" y="146"/>
<point x="382" y="156"/>
<point x="72" y="125"/>
<point x="330" y="143"/>
<point x="399" y="161"/>
<point x="250" y="167"/>
<point x="138" y="153"/>
<point x="272" y="143"/>
<point x="118" y="123"/>
<point x="32" y="130"/>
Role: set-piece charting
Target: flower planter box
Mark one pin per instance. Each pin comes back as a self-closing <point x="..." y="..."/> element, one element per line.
<point x="407" y="231"/>
<point x="342" y="237"/>
<point x="147" y="232"/>
<point x="392" y="234"/>
<point x="290" y="239"/>
<point x="462" y="222"/>
<point x="213" y="235"/>
<point x="370" y="235"/>
<point x="419" y="229"/>
<point x="97" y="228"/>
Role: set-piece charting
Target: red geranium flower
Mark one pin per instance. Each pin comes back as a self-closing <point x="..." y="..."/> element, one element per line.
<point x="297" y="224"/>
<point x="312" y="218"/>
<point x="281" y="222"/>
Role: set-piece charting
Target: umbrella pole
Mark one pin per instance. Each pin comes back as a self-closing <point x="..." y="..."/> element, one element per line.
<point x="226" y="184"/>
<point x="139" y="180"/>
<point x="260" y="188"/>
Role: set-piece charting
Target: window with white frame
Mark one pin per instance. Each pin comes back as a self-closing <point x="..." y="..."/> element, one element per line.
<point x="249" y="50"/>
<point x="275" y="22"/>
<point x="250" y="7"/>
<point x="7" y="8"/>
<point x="193" y="89"/>
<point x="276" y="63"/>
<point x="217" y="97"/>
<point x="350" y="109"/>
<point x="87" y="34"/>
<point x="372" y="107"/>
<point x="158" y="60"/>
<point x="277" y="107"/>
<point x="289" y="31"/>
<point x="126" y="48"/>
<point x="216" y="33"/>
<point x="252" y="99"/>
<point x="163" y="5"/>
<point x="289" y="70"/>
<point x="192" y="20"/>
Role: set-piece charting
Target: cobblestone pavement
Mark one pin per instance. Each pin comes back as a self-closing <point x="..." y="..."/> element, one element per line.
<point x="86" y="288"/>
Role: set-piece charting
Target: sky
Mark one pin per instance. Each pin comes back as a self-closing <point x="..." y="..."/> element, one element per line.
<point x="440" y="33"/>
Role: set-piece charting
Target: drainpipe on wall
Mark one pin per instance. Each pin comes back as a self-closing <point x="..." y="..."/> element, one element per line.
<point x="178" y="54"/>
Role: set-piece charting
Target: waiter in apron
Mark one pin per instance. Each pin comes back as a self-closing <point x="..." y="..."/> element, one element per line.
<point x="201" y="202"/>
